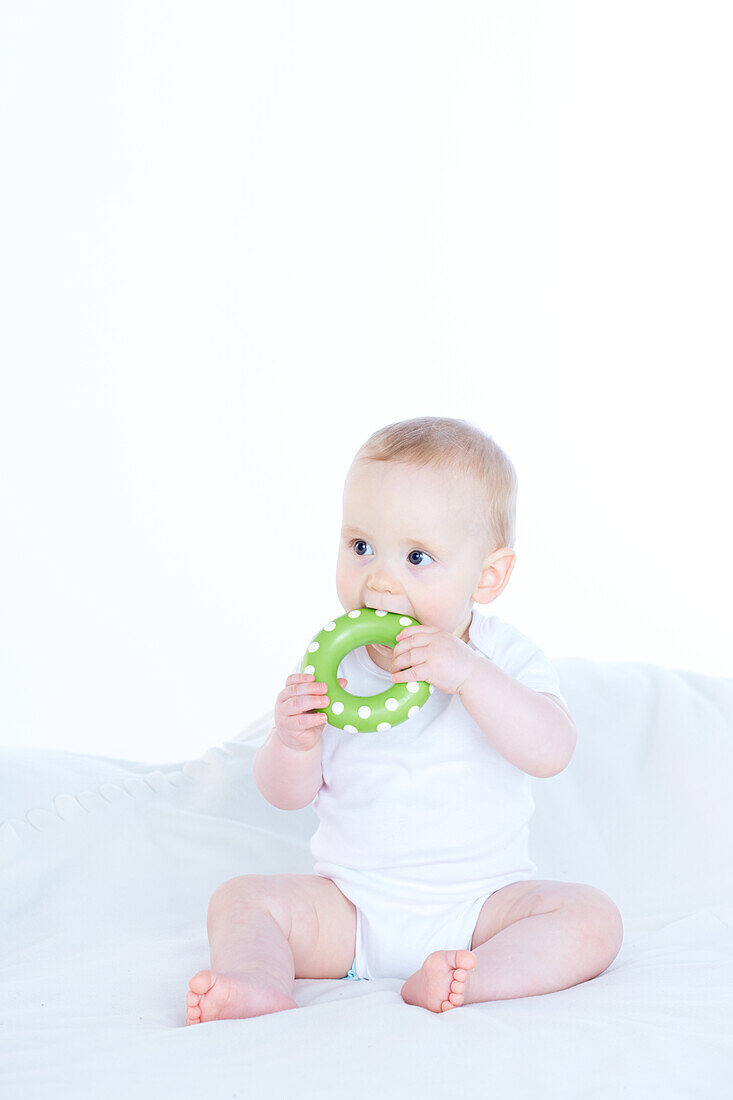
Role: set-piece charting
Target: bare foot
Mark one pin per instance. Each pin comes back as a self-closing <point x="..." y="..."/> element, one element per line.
<point x="233" y="996"/>
<point x="440" y="983"/>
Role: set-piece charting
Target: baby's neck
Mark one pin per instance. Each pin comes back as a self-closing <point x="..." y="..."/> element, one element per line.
<point x="381" y="655"/>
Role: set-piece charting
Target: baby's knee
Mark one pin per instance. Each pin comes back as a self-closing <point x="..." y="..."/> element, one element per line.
<point x="242" y="892"/>
<point x="602" y="921"/>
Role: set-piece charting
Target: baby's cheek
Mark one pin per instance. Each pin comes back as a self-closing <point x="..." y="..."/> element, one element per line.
<point x="344" y="586"/>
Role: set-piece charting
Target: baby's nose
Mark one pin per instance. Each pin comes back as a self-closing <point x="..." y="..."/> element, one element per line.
<point x="381" y="582"/>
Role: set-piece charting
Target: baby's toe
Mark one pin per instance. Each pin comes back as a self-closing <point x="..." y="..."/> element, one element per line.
<point x="201" y="982"/>
<point x="445" y="1006"/>
<point x="465" y="960"/>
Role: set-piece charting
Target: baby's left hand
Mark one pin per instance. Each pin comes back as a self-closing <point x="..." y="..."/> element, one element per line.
<point x="426" y="653"/>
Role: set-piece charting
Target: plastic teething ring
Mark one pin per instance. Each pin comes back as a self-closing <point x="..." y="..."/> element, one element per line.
<point x="362" y="713"/>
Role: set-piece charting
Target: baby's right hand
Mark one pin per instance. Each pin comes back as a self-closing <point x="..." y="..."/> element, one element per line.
<point x="297" y="725"/>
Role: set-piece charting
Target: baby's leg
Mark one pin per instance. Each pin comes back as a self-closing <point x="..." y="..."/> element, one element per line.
<point x="538" y="937"/>
<point x="265" y="931"/>
<point x="530" y="938"/>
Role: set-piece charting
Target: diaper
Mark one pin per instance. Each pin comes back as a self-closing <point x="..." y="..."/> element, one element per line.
<point x="394" y="937"/>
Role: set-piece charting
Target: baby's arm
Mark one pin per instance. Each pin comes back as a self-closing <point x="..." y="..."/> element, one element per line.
<point x="530" y="729"/>
<point x="287" y="768"/>
<point x="288" y="778"/>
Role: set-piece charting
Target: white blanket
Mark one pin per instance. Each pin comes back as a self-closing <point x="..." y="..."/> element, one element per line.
<point x="108" y="866"/>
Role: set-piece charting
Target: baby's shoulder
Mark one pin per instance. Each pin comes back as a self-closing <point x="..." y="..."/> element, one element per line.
<point x="514" y="653"/>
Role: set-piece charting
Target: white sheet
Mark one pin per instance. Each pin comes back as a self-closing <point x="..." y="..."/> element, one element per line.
<point x="107" y="868"/>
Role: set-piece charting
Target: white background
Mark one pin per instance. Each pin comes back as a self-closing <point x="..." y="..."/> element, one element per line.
<point x="238" y="238"/>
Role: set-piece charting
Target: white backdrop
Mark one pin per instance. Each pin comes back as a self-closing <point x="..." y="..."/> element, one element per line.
<point x="238" y="238"/>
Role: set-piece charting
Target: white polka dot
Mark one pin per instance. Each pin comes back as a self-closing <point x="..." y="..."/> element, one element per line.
<point x="412" y="712"/>
<point x="354" y="614"/>
<point x="313" y="647"/>
<point x="337" y="708"/>
<point x="364" y="712"/>
<point x="405" y="621"/>
<point x="330" y="626"/>
<point x="309" y="669"/>
<point x="432" y="689"/>
<point x="412" y="686"/>
<point x="380" y="613"/>
<point x="350" y="729"/>
<point x="391" y="704"/>
<point x="384" y="726"/>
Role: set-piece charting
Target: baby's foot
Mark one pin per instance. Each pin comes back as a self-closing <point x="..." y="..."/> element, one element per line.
<point x="440" y="983"/>
<point x="233" y="996"/>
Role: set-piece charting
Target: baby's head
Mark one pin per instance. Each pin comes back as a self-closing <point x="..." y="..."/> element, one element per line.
<point x="428" y="522"/>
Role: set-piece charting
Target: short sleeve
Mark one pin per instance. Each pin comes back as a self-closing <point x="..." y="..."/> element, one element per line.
<point x="518" y="656"/>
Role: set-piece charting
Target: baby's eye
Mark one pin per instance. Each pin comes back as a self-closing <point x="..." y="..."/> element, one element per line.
<point x="356" y="543"/>
<point x="420" y="553"/>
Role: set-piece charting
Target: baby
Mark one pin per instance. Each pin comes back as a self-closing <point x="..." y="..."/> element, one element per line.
<point x="421" y="856"/>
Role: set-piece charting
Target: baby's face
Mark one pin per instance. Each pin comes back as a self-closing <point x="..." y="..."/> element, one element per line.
<point x="411" y="544"/>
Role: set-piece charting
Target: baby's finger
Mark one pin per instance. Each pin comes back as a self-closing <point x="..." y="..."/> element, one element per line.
<point x="303" y="687"/>
<point x="298" y="704"/>
<point x="309" y="720"/>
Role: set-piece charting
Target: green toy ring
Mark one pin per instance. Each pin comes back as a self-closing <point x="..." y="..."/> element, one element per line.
<point x="362" y="713"/>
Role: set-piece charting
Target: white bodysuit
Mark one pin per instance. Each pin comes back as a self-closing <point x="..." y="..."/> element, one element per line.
<point x="421" y="823"/>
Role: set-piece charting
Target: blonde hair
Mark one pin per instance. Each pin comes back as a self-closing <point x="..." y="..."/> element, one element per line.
<point x="464" y="449"/>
